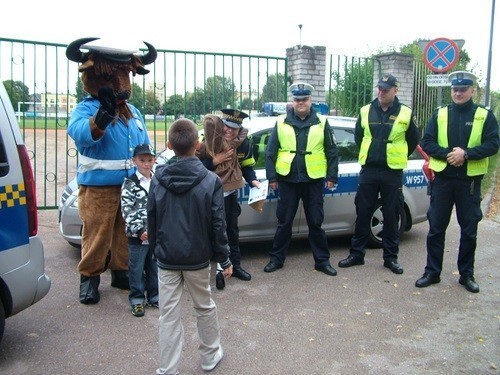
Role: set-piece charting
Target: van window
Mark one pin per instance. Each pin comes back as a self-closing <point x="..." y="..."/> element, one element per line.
<point x="4" y="165"/>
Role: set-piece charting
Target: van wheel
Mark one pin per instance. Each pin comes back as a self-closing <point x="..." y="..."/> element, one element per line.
<point x="2" y="319"/>
<point x="377" y="224"/>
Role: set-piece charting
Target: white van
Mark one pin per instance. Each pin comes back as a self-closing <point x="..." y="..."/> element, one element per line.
<point x="22" y="266"/>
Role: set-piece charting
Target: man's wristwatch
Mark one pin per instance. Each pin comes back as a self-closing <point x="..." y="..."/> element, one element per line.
<point x="466" y="155"/>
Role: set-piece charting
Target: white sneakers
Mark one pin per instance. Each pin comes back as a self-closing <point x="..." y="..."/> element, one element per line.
<point x="209" y="366"/>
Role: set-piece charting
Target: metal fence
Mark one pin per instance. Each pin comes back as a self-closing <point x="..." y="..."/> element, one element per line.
<point x="44" y="87"/>
<point x="350" y="86"/>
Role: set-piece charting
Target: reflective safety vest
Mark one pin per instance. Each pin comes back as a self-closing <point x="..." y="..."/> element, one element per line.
<point x="397" y="148"/>
<point x="474" y="167"/>
<point x="315" y="158"/>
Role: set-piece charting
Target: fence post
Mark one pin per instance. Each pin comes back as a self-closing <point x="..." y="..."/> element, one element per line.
<point x="308" y="64"/>
<point x="400" y="65"/>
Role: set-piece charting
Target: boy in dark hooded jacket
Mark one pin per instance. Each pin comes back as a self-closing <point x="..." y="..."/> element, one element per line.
<point x="186" y="228"/>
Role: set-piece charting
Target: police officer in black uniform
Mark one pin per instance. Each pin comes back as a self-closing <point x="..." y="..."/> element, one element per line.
<point x="301" y="159"/>
<point x="459" y="138"/>
<point x="386" y="134"/>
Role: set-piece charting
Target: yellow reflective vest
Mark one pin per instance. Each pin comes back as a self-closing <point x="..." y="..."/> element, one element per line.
<point x="474" y="167"/>
<point x="315" y="158"/>
<point x="397" y="148"/>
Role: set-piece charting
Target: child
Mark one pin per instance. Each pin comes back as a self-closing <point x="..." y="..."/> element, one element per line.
<point x="186" y="227"/>
<point x="143" y="271"/>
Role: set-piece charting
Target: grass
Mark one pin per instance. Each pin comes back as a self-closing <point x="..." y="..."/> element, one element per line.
<point x="490" y="179"/>
<point x="62" y="123"/>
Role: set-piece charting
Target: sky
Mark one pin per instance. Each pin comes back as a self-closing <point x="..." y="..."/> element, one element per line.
<point x="264" y="27"/>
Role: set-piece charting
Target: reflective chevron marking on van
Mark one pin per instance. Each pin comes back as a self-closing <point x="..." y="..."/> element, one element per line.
<point x="12" y="195"/>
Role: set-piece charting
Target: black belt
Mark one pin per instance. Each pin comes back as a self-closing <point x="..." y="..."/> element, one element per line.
<point x="301" y="152"/>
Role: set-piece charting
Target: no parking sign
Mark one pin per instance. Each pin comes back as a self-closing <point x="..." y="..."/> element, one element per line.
<point x="441" y="54"/>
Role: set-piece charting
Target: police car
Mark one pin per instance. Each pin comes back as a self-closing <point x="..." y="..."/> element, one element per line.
<point x="340" y="212"/>
<point x="22" y="276"/>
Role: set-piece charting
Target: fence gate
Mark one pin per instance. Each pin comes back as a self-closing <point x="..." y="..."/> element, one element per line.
<point x="44" y="87"/>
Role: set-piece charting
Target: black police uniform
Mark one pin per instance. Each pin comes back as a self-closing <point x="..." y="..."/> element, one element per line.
<point x="452" y="186"/>
<point x="298" y="185"/>
<point x="377" y="177"/>
<point x="231" y="205"/>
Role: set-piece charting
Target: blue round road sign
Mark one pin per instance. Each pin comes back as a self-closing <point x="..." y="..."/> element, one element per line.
<point x="441" y="54"/>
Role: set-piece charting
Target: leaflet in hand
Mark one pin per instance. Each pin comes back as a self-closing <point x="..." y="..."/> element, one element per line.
<point x="257" y="196"/>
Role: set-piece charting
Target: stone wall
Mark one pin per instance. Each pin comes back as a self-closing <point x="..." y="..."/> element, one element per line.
<point x="400" y="65"/>
<point x="307" y="64"/>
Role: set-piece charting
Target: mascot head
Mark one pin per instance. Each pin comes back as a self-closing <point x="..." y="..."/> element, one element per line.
<point x="109" y="67"/>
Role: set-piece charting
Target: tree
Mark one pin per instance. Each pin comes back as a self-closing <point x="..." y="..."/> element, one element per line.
<point x="274" y="90"/>
<point x="18" y="93"/>
<point x="137" y="98"/>
<point x="352" y="87"/>
<point x="80" y="92"/>
<point x="151" y="103"/>
<point x="219" y="93"/>
<point x="174" y="105"/>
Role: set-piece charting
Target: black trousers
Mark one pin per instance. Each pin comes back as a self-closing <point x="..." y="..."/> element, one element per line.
<point x="465" y="195"/>
<point x="389" y="184"/>
<point x="233" y="211"/>
<point x="290" y="194"/>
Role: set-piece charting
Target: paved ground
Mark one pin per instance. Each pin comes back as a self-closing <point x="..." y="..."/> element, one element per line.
<point x="366" y="320"/>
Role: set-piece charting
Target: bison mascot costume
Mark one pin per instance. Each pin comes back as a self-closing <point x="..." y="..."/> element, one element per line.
<point x="106" y="129"/>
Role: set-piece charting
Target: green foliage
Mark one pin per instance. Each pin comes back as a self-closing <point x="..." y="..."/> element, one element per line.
<point x="137" y="97"/>
<point x="80" y="92"/>
<point x="351" y="86"/>
<point x="275" y="89"/>
<point x="18" y="93"/>
<point x="174" y="105"/>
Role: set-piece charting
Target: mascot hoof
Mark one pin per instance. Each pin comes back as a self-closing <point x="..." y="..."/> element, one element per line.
<point x="119" y="279"/>
<point x="89" y="295"/>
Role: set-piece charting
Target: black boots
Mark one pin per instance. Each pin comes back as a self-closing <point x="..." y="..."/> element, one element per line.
<point x="119" y="279"/>
<point x="89" y="294"/>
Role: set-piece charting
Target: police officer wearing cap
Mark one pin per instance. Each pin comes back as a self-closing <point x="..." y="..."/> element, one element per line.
<point x="386" y="135"/>
<point x="459" y="138"/>
<point x="233" y="129"/>
<point x="301" y="158"/>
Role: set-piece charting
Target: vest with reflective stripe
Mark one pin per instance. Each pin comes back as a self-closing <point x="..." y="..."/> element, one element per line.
<point x="397" y="148"/>
<point x="474" y="167"/>
<point x="315" y="157"/>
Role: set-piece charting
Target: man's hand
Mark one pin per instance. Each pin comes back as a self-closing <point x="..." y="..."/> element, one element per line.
<point x="456" y="157"/>
<point x="330" y="185"/>
<point x="227" y="272"/>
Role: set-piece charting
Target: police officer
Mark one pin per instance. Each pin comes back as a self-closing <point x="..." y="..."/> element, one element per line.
<point x="234" y="134"/>
<point x="300" y="156"/>
<point x="459" y="138"/>
<point x="386" y="135"/>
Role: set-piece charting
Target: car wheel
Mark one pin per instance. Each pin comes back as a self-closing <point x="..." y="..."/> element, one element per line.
<point x="2" y="319"/>
<point x="377" y="224"/>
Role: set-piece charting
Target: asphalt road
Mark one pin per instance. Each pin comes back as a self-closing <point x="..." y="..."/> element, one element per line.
<point x="366" y="320"/>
